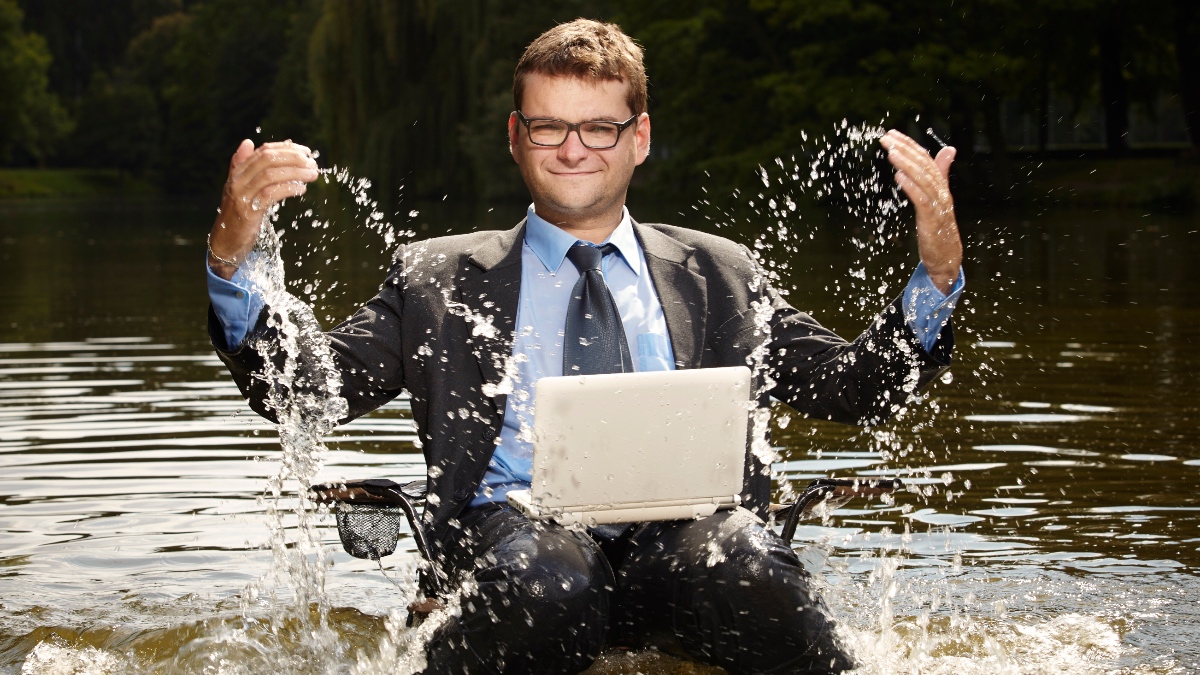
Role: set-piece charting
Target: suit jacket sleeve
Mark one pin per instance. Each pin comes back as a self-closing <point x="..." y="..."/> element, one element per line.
<point x="366" y="350"/>
<point x="863" y="382"/>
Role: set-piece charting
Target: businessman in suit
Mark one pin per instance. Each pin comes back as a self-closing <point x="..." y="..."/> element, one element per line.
<point x="467" y="324"/>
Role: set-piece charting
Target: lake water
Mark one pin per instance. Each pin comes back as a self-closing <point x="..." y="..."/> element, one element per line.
<point x="1053" y="527"/>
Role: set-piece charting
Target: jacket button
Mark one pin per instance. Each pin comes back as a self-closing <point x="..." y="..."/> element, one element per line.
<point x="461" y="494"/>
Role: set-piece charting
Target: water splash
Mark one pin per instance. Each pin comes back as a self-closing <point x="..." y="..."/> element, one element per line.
<point x="887" y="634"/>
<point x="304" y="396"/>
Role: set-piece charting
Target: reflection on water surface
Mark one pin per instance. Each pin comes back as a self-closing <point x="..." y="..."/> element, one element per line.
<point x="1051" y="523"/>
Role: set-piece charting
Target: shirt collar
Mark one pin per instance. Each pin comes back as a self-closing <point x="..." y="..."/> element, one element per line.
<point x="550" y="243"/>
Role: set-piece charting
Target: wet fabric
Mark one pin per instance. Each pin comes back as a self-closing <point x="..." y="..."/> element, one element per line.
<point x="442" y="329"/>
<point x="722" y="590"/>
<point x="540" y="601"/>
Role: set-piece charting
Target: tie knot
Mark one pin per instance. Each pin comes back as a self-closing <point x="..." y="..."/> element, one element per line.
<point x="587" y="258"/>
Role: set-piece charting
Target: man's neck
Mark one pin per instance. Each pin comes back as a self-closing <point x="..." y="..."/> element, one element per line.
<point x="594" y="229"/>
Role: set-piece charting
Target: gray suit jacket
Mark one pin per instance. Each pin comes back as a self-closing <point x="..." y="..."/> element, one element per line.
<point x="442" y="326"/>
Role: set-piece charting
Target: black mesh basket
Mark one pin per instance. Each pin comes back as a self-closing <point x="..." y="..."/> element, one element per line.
<point x="369" y="513"/>
<point x="368" y="531"/>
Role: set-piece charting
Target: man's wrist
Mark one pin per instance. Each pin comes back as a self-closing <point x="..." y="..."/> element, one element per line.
<point x="943" y="279"/>
<point x="222" y="268"/>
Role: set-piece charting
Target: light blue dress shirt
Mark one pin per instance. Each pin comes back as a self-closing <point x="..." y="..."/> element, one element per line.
<point x="546" y="282"/>
<point x="547" y="278"/>
<point x="236" y="302"/>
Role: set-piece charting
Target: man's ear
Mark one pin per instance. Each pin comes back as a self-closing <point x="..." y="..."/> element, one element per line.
<point x="514" y="135"/>
<point x="642" y="137"/>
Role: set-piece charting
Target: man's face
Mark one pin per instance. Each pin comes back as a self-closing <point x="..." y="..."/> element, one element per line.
<point x="573" y="182"/>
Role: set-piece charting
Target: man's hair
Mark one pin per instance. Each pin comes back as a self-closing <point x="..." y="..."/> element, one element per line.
<point x="588" y="50"/>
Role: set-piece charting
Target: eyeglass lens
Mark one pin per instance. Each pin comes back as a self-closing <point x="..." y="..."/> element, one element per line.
<point x="595" y="135"/>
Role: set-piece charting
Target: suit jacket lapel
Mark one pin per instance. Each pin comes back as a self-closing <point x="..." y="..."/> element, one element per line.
<point x="682" y="292"/>
<point x="490" y="288"/>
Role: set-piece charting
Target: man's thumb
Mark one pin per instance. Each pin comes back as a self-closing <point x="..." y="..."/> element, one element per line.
<point x="244" y="150"/>
<point x="945" y="158"/>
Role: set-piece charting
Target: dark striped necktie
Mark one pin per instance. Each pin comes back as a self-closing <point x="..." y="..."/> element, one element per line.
<point x="594" y="338"/>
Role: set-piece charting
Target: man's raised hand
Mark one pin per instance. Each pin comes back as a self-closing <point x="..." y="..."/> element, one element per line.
<point x="258" y="179"/>
<point x="925" y="180"/>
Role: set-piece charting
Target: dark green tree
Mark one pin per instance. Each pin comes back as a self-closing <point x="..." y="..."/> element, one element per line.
<point x="119" y="127"/>
<point x="1186" y="19"/>
<point x="218" y="87"/>
<point x="417" y="94"/>
<point x="739" y="82"/>
<point x="31" y="118"/>
<point x="86" y="36"/>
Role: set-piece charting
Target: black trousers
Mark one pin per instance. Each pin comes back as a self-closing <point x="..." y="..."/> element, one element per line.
<point x="540" y="598"/>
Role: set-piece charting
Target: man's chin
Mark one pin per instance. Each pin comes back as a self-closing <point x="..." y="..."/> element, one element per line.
<point x="577" y="206"/>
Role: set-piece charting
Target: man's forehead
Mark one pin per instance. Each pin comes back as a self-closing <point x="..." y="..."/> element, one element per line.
<point x="574" y="96"/>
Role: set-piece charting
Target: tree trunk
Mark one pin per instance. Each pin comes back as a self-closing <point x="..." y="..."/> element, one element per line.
<point x="1187" y="54"/>
<point x="1044" y="102"/>
<point x="1114" y="94"/>
<point x="993" y="128"/>
<point x="962" y="124"/>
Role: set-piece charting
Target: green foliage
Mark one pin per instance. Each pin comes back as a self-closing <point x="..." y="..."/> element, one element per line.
<point x="290" y="114"/>
<point x="418" y="94"/>
<point x="414" y="95"/>
<point x="219" y="86"/>
<point x="119" y="127"/>
<point x="89" y="36"/>
<point x="706" y="61"/>
<point x="739" y="82"/>
<point x="146" y="59"/>
<point x="31" y="118"/>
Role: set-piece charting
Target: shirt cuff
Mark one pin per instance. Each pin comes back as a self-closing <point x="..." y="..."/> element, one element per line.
<point x="926" y="308"/>
<point x="235" y="302"/>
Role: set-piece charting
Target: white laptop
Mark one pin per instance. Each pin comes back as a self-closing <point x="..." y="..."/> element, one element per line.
<point x="634" y="447"/>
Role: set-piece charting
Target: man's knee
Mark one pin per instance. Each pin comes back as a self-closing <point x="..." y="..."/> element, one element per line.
<point x="535" y="599"/>
<point x="740" y="597"/>
<point x="739" y="552"/>
<point x="551" y="572"/>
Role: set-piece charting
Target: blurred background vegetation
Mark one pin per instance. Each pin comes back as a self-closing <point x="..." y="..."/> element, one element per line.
<point x="1092" y="101"/>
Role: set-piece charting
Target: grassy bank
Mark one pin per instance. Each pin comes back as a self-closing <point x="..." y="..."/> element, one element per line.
<point x="71" y="183"/>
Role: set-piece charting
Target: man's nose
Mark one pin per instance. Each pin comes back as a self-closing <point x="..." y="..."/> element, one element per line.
<point x="573" y="149"/>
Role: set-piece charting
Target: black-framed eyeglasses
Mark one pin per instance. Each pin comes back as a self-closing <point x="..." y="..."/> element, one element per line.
<point x="596" y="134"/>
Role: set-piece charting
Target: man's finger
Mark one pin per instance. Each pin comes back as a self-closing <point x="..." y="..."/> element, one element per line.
<point x="918" y="173"/>
<point x="907" y="155"/>
<point x="895" y="140"/>
<point x="945" y="158"/>
<point x="264" y="159"/>
<point x="284" y="145"/>
<point x="245" y="150"/>
<point x="279" y="174"/>
<point x="277" y="192"/>
<point x="915" y="194"/>
<point x="898" y="142"/>
<point x="906" y="141"/>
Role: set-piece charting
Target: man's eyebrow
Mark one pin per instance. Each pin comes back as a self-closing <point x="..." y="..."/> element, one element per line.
<point x="598" y="118"/>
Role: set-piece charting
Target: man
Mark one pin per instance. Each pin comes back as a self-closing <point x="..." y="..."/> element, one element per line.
<point x="466" y="324"/>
